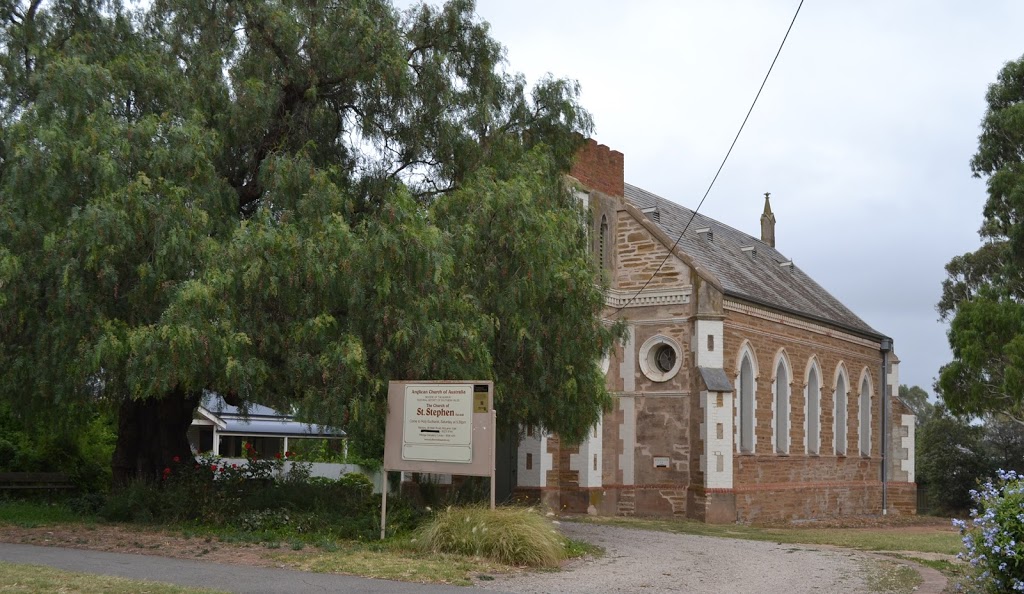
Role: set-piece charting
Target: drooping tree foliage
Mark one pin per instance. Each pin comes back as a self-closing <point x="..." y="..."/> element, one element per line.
<point x="983" y="296"/>
<point x="286" y="202"/>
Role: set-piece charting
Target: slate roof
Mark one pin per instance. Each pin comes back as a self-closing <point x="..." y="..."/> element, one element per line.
<point x="715" y="379"/>
<point x="757" y="278"/>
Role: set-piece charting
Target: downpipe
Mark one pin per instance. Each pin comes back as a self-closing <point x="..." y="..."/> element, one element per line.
<point x="885" y="346"/>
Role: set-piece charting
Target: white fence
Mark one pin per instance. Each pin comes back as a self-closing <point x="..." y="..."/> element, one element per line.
<point x="329" y="470"/>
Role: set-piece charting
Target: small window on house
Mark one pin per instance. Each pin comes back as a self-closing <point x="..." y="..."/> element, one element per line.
<point x="665" y="358"/>
<point x="711" y="342"/>
<point x="841" y="416"/>
<point x="781" y="389"/>
<point x="659" y="358"/>
<point x="529" y="461"/>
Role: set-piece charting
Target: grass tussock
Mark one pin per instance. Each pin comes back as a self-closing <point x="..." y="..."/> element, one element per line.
<point x="511" y="535"/>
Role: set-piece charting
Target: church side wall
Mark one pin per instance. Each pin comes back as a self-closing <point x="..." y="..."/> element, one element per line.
<point x="799" y="484"/>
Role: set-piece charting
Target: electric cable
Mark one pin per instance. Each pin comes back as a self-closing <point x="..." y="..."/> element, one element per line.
<point x="619" y="309"/>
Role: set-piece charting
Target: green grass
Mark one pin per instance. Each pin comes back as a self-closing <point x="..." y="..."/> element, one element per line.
<point x="30" y="514"/>
<point x="892" y="576"/>
<point x="579" y="548"/>
<point x="396" y="559"/>
<point x="36" y="578"/>
<point x="867" y="539"/>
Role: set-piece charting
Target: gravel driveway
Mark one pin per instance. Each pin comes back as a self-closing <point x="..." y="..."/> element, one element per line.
<point x="645" y="561"/>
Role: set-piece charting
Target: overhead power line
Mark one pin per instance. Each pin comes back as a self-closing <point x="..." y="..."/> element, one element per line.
<point x="720" y="167"/>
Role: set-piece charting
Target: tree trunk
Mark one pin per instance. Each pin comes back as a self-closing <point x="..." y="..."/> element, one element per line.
<point x="150" y="433"/>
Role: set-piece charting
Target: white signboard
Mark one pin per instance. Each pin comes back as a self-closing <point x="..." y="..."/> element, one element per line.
<point x="438" y="423"/>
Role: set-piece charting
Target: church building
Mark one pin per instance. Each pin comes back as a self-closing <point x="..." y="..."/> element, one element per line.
<point x="743" y="390"/>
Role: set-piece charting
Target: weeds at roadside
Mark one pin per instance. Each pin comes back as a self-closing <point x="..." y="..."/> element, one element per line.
<point x="892" y="576"/>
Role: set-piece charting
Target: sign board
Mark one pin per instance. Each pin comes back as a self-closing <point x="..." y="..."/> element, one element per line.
<point x="444" y="427"/>
<point x="437" y="423"/>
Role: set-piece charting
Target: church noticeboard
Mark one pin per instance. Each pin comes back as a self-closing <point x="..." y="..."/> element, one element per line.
<point x="438" y="423"/>
<point x="440" y="427"/>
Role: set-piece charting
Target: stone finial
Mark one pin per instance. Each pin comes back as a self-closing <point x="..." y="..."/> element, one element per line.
<point x="768" y="222"/>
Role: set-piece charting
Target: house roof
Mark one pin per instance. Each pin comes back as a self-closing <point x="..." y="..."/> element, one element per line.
<point x="258" y="420"/>
<point x="761" y="275"/>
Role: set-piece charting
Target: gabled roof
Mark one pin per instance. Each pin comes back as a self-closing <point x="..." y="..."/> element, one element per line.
<point x="761" y="275"/>
<point x="258" y="420"/>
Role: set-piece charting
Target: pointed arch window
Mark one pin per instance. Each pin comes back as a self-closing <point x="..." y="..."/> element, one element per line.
<point x="781" y="393"/>
<point x="864" y="428"/>
<point x="745" y="406"/>
<point x="812" y="411"/>
<point x="841" y="416"/>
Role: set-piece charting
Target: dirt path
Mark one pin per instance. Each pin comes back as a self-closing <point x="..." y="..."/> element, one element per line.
<point x="646" y="561"/>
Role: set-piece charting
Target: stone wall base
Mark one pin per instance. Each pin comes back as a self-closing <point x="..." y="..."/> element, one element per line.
<point x="750" y="504"/>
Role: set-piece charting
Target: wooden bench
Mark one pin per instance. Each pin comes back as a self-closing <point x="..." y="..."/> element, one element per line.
<point x="35" y="480"/>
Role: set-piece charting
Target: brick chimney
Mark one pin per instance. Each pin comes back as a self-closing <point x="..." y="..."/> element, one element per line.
<point x="768" y="222"/>
<point x="599" y="168"/>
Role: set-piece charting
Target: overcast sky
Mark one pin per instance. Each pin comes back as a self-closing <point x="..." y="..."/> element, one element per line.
<point x="863" y="134"/>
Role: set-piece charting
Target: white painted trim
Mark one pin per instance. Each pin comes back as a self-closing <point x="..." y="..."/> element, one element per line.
<point x="627" y="434"/>
<point x="590" y="455"/>
<point x="782" y="358"/>
<point x="840" y="372"/>
<point x="627" y="368"/>
<point x="628" y="298"/>
<point x="210" y="416"/>
<point x="745" y="350"/>
<point x="716" y="459"/>
<point x="908" y="464"/>
<point x="535" y="446"/>
<point x="812" y="365"/>
<point x="705" y="357"/>
<point x="650" y="368"/>
<point x="864" y="433"/>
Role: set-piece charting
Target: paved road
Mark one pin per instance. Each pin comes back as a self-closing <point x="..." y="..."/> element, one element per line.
<point x="637" y="561"/>
<point x="229" y="578"/>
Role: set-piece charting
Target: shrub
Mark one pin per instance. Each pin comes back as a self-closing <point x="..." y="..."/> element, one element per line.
<point x="139" y="503"/>
<point x="994" y="538"/>
<point x="511" y="535"/>
<point x="358" y="484"/>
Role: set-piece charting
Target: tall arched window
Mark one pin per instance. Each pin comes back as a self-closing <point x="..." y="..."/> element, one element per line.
<point x="812" y="410"/>
<point x="864" y="428"/>
<point x="841" y="417"/>
<point x="603" y="242"/>
<point x="781" y="404"/>
<point x="745" y="406"/>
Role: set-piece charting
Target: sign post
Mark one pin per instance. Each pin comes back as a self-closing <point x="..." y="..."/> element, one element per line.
<point x="442" y="427"/>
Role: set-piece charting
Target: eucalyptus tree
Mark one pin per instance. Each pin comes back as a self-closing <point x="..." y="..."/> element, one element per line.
<point x="983" y="295"/>
<point x="286" y="202"/>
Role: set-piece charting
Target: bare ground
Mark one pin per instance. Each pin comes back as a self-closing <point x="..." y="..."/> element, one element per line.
<point x="151" y="541"/>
